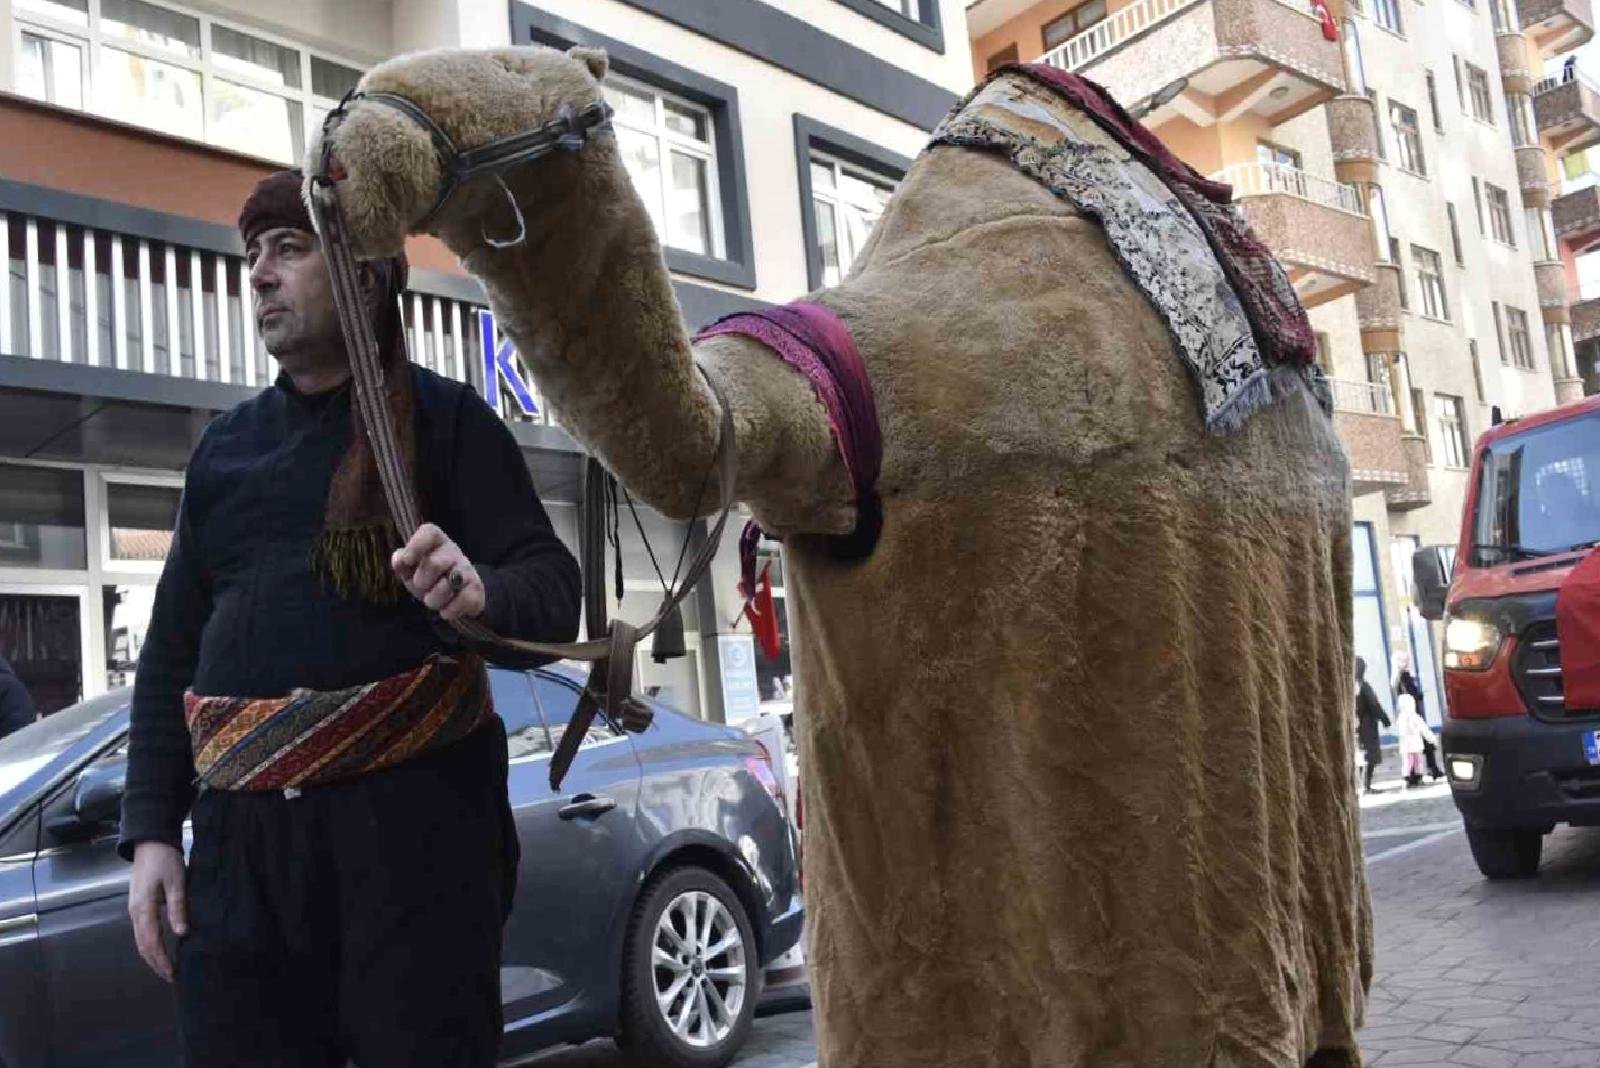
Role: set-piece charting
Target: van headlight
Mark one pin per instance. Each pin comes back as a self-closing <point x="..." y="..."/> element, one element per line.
<point x="1471" y="644"/>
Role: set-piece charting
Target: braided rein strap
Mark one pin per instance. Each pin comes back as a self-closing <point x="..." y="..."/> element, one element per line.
<point x="609" y="687"/>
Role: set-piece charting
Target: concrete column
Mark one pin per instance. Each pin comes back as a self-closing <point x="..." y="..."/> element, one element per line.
<point x="1400" y="386"/>
<point x="8" y="52"/>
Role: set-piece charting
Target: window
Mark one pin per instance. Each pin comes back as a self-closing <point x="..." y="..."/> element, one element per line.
<point x="513" y="703"/>
<point x="1478" y="92"/>
<point x="1430" y="283"/>
<point x="1386" y="13"/>
<point x="1517" y="335"/>
<point x="190" y="75"/>
<point x="1451" y="420"/>
<point x="1267" y="152"/>
<point x="1419" y="412"/>
<point x="845" y="182"/>
<point x="1519" y="115"/>
<point x="1394" y="256"/>
<point x="141" y="519"/>
<point x="1500" y="12"/>
<point x="558" y="700"/>
<point x="847" y="202"/>
<point x="42" y="520"/>
<point x="1355" y="67"/>
<point x="1377" y="123"/>
<point x="1008" y="54"/>
<point x="667" y="146"/>
<point x="1407" y="137"/>
<point x="1461" y="91"/>
<point x="1324" y="350"/>
<point x="1477" y="204"/>
<point x="1060" y="30"/>
<point x="1455" y="235"/>
<point x="911" y="9"/>
<point x="1433" y="103"/>
<point x="1541" y="235"/>
<point x="1499" y="331"/>
<point x="1500" y="215"/>
<point x="1477" y="369"/>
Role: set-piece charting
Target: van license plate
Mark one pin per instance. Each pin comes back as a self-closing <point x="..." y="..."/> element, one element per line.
<point x="1591" y="746"/>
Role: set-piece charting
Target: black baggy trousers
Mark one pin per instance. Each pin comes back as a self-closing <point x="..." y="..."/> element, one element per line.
<point x="359" y="921"/>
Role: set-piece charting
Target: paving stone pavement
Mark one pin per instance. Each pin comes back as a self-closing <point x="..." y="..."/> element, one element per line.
<point x="1478" y="974"/>
<point x="775" y="1042"/>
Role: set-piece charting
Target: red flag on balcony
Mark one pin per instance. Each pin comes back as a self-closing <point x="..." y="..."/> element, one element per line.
<point x="763" y="614"/>
<point x="1330" y="30"/>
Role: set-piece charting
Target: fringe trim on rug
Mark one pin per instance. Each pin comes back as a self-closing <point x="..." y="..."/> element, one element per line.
<point x="353" y="563"/>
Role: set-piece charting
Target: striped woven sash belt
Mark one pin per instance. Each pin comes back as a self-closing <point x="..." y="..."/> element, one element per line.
<point x="313" y="737"/>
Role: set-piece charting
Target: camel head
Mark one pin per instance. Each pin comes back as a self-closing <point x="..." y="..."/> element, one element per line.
<point x="388" y="169"/>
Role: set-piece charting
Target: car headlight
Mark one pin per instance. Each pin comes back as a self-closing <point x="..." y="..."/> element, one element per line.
<point x="1471" y="644"/>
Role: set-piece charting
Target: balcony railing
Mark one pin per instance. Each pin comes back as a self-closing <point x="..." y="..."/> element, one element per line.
<point x="1544" y="85"/>
<point x="83" y="295"/>
<point x="1367" y="398"/>
<point x="1261" y="179"/>
<point x="1075" y="52"/>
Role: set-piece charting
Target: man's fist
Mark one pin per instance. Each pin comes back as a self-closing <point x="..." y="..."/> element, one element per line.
<point x="157" y="881"/>
<point x="439" y="574"/>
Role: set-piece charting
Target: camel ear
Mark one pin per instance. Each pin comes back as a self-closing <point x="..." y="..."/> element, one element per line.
<point x="594" y="58"/>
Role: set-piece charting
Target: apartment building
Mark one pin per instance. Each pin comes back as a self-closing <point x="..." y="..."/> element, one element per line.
<point x="1399" y="157"/>
<point x="763" y="136"/>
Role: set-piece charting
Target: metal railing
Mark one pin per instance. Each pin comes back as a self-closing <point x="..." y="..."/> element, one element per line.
<point x="1124" y="25"/>
<point x="1544" y="85"/>
<point x="139" y="304"/>
<point x="1367" y="398"/>
<point x="1260" y="179"/>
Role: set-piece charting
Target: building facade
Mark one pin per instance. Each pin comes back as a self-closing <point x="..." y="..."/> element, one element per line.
<point x="1400" y="158"/>
<point x="764" y="138"/>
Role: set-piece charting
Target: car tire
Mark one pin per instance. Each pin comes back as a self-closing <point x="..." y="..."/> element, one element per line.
<point x="1504" y="852"/>
<point x="677" y="1009"/>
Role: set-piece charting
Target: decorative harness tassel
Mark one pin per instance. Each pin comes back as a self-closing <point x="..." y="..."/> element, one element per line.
<point x="609" y="688"/>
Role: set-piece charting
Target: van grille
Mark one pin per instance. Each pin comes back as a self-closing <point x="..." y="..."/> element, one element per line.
<point x="1537" y="670"/>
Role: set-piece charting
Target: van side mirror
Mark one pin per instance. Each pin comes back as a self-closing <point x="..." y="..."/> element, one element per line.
<point x="1432" y="578"/>
<point x="96" y="802"/>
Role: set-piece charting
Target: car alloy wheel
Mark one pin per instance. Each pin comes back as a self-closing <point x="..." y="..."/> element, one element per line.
<point x="699" y="964"/>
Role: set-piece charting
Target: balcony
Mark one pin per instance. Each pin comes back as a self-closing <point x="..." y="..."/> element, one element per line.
<point x="1567" y="113"/>
<point x="1512" y="48"/>
<point x="1261" y="58"/>
<point x="1363" y="416"/>
<point x="1550" y="279"/>
<point x="1314" y="225"/>
<point x="1576" y="217"/>
<point x="1417" y="492"/>
<point x="1557" y="26"/>
<point x="1354" y="135"/>
<point x="1379" y="312"/>
<point x="1532" y="176"/>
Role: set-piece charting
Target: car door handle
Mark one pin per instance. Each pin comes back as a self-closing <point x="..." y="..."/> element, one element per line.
<point x="586" y="805"/>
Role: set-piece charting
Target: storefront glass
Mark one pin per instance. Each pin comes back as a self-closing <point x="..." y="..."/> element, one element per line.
<point x="41" y="637"/>
<point x="41" y="518"/>
<point x="142" y="519"/>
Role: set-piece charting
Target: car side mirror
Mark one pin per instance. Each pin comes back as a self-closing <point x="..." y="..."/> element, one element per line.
<point x="96" y="802"/>
<point x="1432" y="577"/>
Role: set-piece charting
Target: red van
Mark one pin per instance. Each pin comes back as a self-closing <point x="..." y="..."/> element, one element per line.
<point x="1519" y="759"/>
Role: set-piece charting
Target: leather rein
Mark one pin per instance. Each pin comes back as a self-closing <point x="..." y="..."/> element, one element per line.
<point x="610" y="648"/>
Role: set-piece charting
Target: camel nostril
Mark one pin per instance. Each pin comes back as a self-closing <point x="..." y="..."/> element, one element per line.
<point x="336" y="169"/>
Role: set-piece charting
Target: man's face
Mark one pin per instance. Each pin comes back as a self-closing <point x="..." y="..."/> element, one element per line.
<point x="295" y="313"/>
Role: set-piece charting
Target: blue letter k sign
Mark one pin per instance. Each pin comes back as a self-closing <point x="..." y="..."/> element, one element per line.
<point x="497" y="364"/>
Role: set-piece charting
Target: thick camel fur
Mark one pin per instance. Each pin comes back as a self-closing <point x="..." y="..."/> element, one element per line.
<point x="1076" y="734"/>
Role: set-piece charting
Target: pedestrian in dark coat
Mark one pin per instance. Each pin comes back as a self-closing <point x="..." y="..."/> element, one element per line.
<point x="1369" y="712"/>
<point x="16" y="706"/>
<point x="1405" y="682"/>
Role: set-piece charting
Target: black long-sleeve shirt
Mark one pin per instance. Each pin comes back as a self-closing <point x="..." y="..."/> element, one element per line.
<point x="239" y="612"/>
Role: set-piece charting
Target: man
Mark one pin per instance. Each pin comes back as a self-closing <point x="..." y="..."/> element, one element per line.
<point x="16" y="706"/>
<point x="353" y="848"/>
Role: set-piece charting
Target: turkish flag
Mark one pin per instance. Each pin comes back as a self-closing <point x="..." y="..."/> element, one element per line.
<point x="1330" y="31"/>
<point x="1578" y="628"/>
<point x="763" y="615"/>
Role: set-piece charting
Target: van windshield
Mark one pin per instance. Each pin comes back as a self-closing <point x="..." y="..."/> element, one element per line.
<point x="1539" y="493"/>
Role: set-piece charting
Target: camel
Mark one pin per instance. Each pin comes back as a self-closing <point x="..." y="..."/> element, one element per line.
<point x="1075" y="731"/>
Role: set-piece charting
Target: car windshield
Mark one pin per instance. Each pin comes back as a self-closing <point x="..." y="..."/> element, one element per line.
<point x="39" y="745"/>
<point x="1539" y="493"/>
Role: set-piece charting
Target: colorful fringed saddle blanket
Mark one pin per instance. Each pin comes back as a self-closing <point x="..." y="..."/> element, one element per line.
<point x="1230" y="308"/>
<point x="312" y="737"/>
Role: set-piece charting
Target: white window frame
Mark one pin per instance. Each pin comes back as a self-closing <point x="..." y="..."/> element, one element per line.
<point x="1430" y="283"/>
<point x="1500" y="224"/>
<point x="1394" y="22"/>
<point x="831" y="197"/>
<point x="669" y="139"/>
<point x="49" y="32"/>
<point x="1517" y="330"/>
<point x="1410" y="155"/>
<point x="1449" y="415"/>
<point x="110" y="564"/>
<point x="93" y="40"/>
<point x="1482" y="103"/>
<point x="911" y="9"/>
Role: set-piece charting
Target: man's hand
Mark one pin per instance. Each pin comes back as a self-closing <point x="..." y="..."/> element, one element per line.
<point x="439" y="574"/>
<point x="158" y="879"/>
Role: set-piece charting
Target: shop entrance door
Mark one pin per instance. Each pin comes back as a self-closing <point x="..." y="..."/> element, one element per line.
<point x="42" y="636"/>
